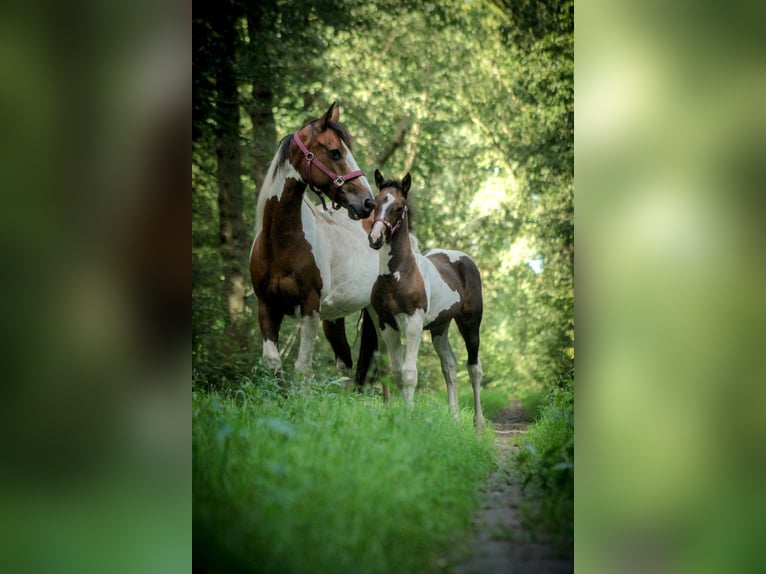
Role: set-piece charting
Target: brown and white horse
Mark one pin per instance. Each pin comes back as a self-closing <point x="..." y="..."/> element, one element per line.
<point x="417" y="291"/>
<point x="307" y="260"/>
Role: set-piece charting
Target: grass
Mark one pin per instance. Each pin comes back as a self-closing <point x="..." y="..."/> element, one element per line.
<point x="545" y="462"/>
<point x="493" y="400"/>
<point x="318" y="480"/>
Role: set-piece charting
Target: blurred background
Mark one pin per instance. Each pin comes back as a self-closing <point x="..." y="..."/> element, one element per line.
<point x="671" y="406"/>
<point x="95" y="456"/>
<point x="670" y="147"/>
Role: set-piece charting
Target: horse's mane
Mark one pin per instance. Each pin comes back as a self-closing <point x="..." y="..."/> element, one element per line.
<point x="279" y="160"/>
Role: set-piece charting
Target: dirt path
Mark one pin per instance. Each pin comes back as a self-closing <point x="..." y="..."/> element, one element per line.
<point x="500" y="544"/>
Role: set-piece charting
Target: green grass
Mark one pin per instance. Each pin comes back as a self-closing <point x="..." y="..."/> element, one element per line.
<point x="493" y="400"/>
<point x="317" y="480"/>
<point x="545" y="462"/>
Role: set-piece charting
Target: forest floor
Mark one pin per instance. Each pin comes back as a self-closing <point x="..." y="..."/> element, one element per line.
<point x="500" y="543"/>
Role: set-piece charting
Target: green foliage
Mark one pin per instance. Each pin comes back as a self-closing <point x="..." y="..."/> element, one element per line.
<point x="312" y="479"/>
<point x="545" y="462"/>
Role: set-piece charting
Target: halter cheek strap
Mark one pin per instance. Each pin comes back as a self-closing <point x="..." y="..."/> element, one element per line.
<point x="336" y="180"/>
<point x="397" y="225"/>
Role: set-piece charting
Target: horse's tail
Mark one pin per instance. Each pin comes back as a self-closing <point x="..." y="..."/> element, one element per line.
<point x="367" y="348"/>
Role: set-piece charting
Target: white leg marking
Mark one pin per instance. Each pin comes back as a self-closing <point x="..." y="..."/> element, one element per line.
<point x="393" y="344"/>
<point x="309" y="327"/>
<point x="271" y="355"/>
<point x="412" y="327"/>
<point x="475" y="372"/>
<point x="449" y="370"/>
<point x="344" y="372"/>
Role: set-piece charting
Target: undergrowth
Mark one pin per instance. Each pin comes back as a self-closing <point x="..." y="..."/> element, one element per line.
<point x="313" y="479"/>
<point x="545" y="462"/>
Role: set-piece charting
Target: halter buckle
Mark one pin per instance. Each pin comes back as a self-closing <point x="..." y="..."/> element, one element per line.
<point x="309" y="156"/>
<point x="339" y="181"/>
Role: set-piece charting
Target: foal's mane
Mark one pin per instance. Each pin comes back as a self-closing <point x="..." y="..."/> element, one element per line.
<point x="395" y="183"/>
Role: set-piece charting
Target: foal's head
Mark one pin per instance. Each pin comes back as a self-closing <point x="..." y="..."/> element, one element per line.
<point x="390" y="209"/>
<point x="327" y="147"/>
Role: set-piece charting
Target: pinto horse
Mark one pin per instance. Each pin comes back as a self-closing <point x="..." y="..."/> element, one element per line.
<point x="415" y="291"/>
<point x="307" y="260"/>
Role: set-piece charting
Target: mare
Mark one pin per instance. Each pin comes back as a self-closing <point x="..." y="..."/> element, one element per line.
<point x="309" y="261"/>
<point x="415" y="291"/>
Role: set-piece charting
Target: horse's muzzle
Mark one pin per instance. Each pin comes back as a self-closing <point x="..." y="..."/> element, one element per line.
<point x="361" y="211"/>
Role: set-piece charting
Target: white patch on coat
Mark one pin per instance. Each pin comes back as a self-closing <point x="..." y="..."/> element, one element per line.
<point x="454" y="256"/>
<point x="273" y="185"/>
<point x="384" y="259"/>
<point x="378" y="228"/>
<point x="351" y="161"/>
<point x="439" y="295"/>
<point x="346" y="262"/>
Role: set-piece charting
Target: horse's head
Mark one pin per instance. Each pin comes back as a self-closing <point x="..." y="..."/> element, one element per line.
<point x="323" y="154"/>
<point x="390" y="208"/>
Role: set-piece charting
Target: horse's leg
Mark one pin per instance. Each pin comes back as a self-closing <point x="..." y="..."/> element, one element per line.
<point x="413" y="331"/>
<point x="469" y="329"/>
<point x="393" y="343"/>
<point x="367" y="348"/>
<point x="449" y="368"/>
<point x="309" y="328"/>
<point x="270" y="320"/>
<point x="335" y="331"/>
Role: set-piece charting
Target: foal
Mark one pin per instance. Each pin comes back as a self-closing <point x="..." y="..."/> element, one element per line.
<point x="417" y="291"/>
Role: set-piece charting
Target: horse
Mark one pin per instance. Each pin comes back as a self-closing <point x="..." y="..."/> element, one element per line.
<point x="308" y="261"/>
<point x="415" y="291"/>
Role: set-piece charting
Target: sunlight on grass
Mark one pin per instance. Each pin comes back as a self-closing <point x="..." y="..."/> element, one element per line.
<point x="317" y="480"/>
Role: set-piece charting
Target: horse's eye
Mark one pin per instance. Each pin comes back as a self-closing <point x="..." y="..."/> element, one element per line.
<point x="335" y="154"/>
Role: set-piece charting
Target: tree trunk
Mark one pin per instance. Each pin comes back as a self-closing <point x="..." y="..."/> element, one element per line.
<point x="233" y="238"/>
<point x="259" y="107"/>
<point x="264" y="131"/>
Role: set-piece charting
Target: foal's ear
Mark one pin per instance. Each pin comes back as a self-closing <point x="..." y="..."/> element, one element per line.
<point x="331" y="115"/>
<point x="406" y="181"/>
<point x="378" y="178"/>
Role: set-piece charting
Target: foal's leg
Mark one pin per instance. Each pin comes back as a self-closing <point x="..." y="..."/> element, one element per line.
<point x="270" y="320"/>
<point x="475" y="372"/>
<point x="393" y="345"/>
<point x="335" y="331"/>
<point x="469" y="328"/>
<point x="449" y="368"/>
<point x="309" y="328"/>
<point x="413" y="330"/>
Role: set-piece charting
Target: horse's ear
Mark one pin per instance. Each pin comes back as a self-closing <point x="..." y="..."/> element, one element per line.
<point x="332" y="115"/>
<point x="378" y="178"/>
<point x="406" y="181"/>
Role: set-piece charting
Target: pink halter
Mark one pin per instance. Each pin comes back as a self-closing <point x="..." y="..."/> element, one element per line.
<point x="398" y="224"/>
<point x="337" y="180"/>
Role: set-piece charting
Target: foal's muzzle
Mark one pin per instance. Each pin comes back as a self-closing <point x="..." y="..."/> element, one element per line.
<point x="375" y="243"/>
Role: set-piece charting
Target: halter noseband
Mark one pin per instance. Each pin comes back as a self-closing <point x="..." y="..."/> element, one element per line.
<point x="336" y="179"/>
<point x="396" y="226"/>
